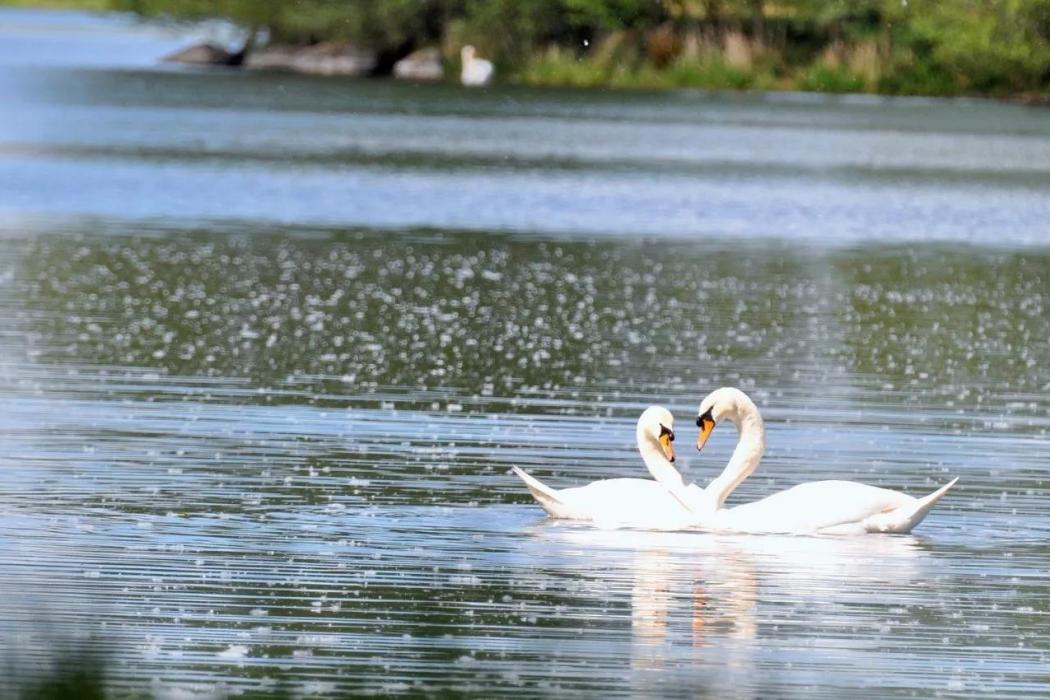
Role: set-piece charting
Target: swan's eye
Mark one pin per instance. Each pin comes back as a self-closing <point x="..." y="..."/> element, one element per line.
<point x="705" y="415"/>
<point x="664" y="430"/>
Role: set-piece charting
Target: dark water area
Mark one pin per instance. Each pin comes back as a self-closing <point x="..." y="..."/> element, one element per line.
<point x="269" y="346"/>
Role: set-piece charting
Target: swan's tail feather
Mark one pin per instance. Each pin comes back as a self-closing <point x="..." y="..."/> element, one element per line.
<point x="544" y="495"/>
<point x="903" y="519"/>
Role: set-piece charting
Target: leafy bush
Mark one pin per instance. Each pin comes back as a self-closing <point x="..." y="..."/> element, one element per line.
<point x="918" y="78"/>
<point x="822" y="77"/>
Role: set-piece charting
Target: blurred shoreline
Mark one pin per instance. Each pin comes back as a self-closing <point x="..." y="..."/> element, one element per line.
<point x="916" y="49"/>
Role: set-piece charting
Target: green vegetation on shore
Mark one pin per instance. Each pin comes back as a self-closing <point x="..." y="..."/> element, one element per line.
<point x="913" y="47"/>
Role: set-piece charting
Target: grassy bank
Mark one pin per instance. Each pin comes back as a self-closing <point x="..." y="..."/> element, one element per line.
<point x="876" y="61"/>
<point x="707" y="69"/>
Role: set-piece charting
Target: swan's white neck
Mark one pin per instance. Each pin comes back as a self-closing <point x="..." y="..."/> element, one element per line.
<point x="658" y="465"/>
<point x="748" y="453"/>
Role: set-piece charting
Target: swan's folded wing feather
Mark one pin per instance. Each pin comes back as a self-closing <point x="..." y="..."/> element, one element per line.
<point x="814" y="506"/>
<point x="550" y="499"/>
<point x="637" y="503"/>
<point x="902" y="520"/>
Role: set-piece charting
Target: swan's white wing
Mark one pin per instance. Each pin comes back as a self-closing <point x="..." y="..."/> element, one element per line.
<point x="812" y="507"/>
<point x="477" y="72"/>
<point x="547" y="497"/>
<point x="613" y="503"/>
<point x="637" y="503"/>
<point x="903" y="519"/>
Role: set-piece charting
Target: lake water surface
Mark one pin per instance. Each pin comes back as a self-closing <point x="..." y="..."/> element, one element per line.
<point x="269" y="346"/>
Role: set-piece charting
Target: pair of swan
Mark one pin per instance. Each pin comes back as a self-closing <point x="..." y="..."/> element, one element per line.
<point x="668" y="503"/>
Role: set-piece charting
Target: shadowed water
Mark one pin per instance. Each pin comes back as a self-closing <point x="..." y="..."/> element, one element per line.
<point x="258" y="424"/>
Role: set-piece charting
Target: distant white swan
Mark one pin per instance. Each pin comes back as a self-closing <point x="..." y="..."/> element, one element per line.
<point x="663" y="504"/>
<point x="475" y="71"/>
<point x="817" y="507"/>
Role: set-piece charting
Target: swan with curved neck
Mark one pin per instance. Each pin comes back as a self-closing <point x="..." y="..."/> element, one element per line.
<point x="664" y="504"/>
<point x="816" y="507"/>
<point x="475" y="71"/>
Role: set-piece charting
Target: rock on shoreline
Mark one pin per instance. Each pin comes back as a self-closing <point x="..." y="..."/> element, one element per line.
<point x="424" y="64"/>
<point x="325" y="58"/>
<point x="202" y="55"/>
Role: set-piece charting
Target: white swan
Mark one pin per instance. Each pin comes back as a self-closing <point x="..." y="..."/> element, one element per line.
<point x="664" y="504"/>
<point x="475" y="71"/>
<point x="817" y="507"/>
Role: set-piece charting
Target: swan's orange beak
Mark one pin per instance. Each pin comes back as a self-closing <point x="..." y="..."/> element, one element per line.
<point x="665" y="445"/>
<point x="707" y="424"/>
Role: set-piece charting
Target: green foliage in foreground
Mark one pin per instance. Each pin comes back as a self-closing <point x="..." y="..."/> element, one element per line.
<point x="85" y="676"/>
<point x="78" y="684"/>
<point x="938" y="47"/>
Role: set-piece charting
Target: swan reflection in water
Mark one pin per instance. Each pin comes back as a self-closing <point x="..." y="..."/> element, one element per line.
<point x="703" y="602"/>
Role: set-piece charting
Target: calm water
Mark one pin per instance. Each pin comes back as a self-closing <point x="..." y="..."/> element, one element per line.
<point x="269" y="347"/>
